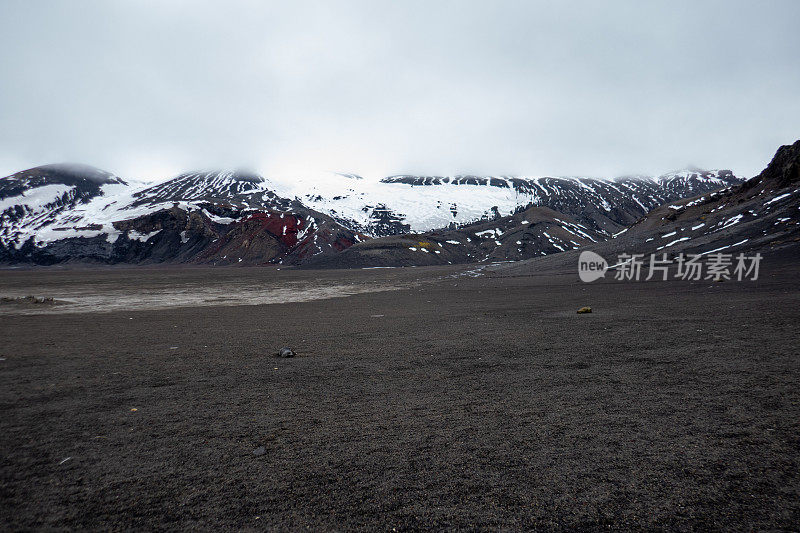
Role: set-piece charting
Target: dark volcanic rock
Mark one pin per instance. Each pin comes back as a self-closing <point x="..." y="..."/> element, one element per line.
<point x="533" y="232"/>
<point x="759" y="216"/>
<point x="286" y="352"/>
<point x="782" y="171"/>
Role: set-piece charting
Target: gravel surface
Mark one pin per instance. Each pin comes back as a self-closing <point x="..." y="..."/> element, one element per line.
<point x="452" y="402"/>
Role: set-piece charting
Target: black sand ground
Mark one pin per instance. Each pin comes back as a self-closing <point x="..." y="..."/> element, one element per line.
<point x="483" y="403"/>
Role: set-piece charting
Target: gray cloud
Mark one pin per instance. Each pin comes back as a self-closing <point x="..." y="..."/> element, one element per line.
<point x="149" y="88"/>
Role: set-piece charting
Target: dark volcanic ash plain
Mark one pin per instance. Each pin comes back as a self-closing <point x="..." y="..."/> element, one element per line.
<point x="453" y="402"/>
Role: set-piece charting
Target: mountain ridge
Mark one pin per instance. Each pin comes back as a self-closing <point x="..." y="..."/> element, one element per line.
<point x="761" y="215"/>
<point x="68" y="212"/>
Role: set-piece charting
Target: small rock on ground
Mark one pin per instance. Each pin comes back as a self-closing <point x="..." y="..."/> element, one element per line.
<point x="286" y="352"/>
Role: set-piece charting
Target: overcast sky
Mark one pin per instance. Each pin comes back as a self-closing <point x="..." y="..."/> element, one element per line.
<point x="146" y="89"/>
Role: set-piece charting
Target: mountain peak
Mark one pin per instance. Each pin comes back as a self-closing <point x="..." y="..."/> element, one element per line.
<point x="242" y="175"/>
<point x="67" y="174"/>
<point x="784" y="169"/>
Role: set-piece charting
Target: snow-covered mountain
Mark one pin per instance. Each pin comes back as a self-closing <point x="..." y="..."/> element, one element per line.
<point x="531" y="232"/>
<point x="54" y="214"/>
<point x="239" y="188"/>
<point x="53" y="202"/>
<point x="400" y="204"/>
<point x="61" y="213"/>
<point x="759" y="215"/>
